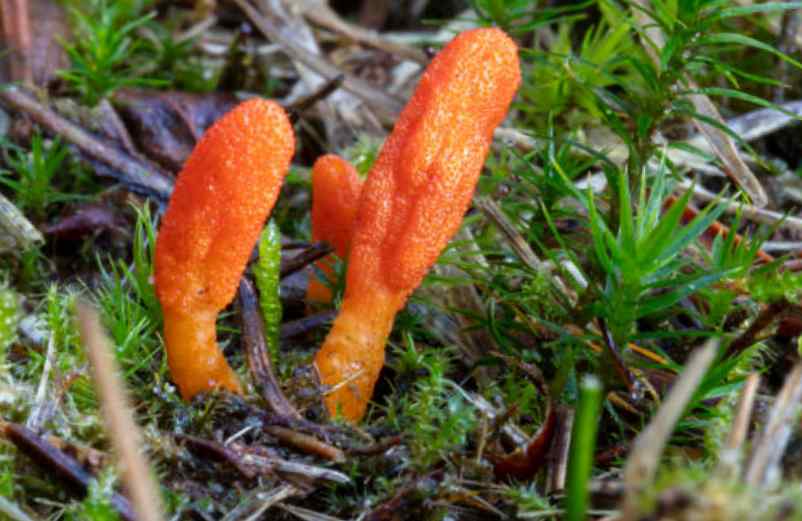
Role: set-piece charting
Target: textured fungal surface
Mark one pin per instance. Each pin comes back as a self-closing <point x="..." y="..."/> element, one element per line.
<point x="413" y="202"/>
<point x="336" y="187"/>
<point x="220" y="202"/>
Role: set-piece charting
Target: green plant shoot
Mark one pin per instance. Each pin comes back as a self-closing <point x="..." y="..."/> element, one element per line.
<point x="583" y="445"/>
<point x="267" y="274"/>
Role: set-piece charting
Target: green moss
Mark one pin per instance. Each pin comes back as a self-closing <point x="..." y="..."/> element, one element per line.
<point x="9" y="318"/>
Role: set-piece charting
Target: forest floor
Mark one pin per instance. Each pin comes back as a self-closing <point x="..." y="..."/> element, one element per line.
<point x="613" y="332"/>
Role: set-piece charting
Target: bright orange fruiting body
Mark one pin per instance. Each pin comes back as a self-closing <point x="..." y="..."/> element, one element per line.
<point x="336" y="186"/>
<point x="413" y="202"/>
<point x="219" y="205"/>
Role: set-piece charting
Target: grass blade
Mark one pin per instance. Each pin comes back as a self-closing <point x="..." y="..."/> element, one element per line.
<point x="583" y="445"/>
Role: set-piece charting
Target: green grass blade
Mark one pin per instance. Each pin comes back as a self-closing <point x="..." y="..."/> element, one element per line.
<point x="583" y="445"/>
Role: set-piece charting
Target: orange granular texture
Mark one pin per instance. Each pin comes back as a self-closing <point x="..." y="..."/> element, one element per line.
<point x="219" y="205"/>
<point x="336" y="186"/>
<point x="413" y="202"/>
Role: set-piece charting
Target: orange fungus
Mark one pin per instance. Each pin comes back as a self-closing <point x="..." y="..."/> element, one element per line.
<point x="218" y="207"/>
<point x="336" y="186"/>
<point x="413" y="202"/>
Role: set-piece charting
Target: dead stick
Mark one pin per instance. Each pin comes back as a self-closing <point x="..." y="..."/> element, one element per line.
<point x="307" y="102"/>
<point x="323" y="15"/>
<point x="253" y="335"/>
<point x="388" y="106"/>
<point x="124" y="432"/>
<point x="729" y="461"/>
<point x="306" y="324"/>
<point x="768" y="450"/>
<point x="647" y="449"/>
<point x="770" y="314"/>
<point x="61" y="466"/>
<point x="315" y="252"/>
<point x="380" y="447"/>
<point x="558" y="452"/>
<point x="215" y="451"/>
<point x="305" y="442"/>
<point x="139" y="177"/>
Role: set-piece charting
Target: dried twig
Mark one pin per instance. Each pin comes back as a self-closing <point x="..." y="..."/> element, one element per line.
<point x="749" y="211"/>
<point x="724" y="147"/>
<point x="259" y="501"/>
<point x="114" y="127"/>
<point x="306" y="443"/>
<point x="319" y="13"/>
<point x="306" y="324"/>
<point x="768" y="450"/>
<point x="376" y="448"/>
<point x="268" y="418"/>
<point x="124" y="433"/>
<point x="518" y="244"/>
<point x="786" y="44"/>
<point x="299" y="106"/>
<point x="740" y="424"/>
<point x="267" y="463"/>
<point x="308" y="515"/>
<point x="315" y="252"/>
<point x="216" y="451"/>
<point x="559" y="450"/>
<point x="139" y="177"/>
<point x="13" y="512"/>
<point x="730" y="454"/>
<point x="253" y="336"/>
<point x="61" y="466"/>
<point x="648" y="446"/>
<point x="782" y="246"/>
<point x="759" y="123"/>
<point x="769" y="315"/>
<point x="387" y="106"/>
<point x="774" y="24"/>
<point x="521" y="247"/>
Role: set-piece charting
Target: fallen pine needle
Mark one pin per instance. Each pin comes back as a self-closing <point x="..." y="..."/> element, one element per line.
<point x="124" y="433"/>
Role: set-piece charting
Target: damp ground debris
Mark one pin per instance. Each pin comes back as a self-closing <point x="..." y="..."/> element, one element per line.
<point x="613" y="332"/>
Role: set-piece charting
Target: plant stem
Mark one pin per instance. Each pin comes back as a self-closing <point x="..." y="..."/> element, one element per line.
<point x="583" y="444"/>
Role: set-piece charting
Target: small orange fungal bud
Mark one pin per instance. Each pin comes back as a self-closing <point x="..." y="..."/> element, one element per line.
<point x="413" y="202"/>
<point x="336" y="186"/>
<point x="221" y="199"/>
